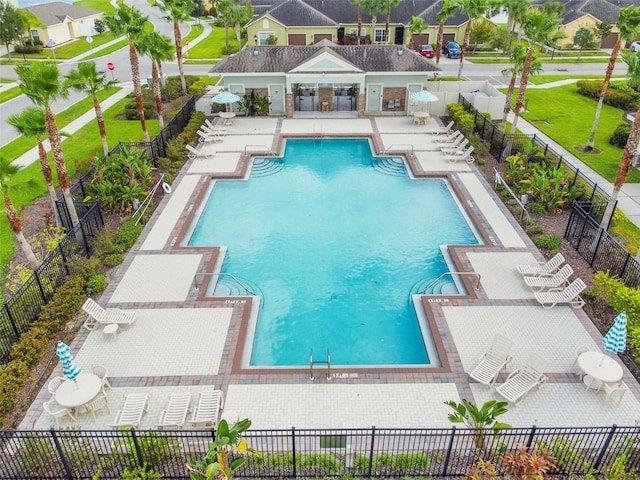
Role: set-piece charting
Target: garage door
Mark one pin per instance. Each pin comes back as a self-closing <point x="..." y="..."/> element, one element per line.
<point x="321" y="36"/>
<point x="448" y="37"/>
<point x="297" y="39"/>
<point x="421" y="39"/>
<point x="609" y="41"/>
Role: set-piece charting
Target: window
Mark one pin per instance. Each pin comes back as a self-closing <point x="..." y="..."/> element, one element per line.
<point x="35" y="35"/>
<point x="354" y="31"/>
<point x="380" y="35"/>
<point x="263" y="37"/>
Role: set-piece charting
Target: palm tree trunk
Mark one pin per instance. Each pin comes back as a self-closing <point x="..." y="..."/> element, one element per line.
<point x="238" y="35"/>
<point x="359" y="25"/>
<point x="61" y="167"/>
<point x="386" y="26"/>
<point x="101" y="127"/>
<point x="16" y="228"/>
<point x="178" y="38"/>
<point x="465" y="43"/>
<point x="623" y="169"/>
<point x="507" y="102"/>
<point x="607" y="79"/>
<point x="439" y="42"/>
<point x="156" y="93"/>
<point x="48" y="178"/>
<point x="524" y="78"/>
<point x="226" y="35"/>
<point x="137" y="89"/>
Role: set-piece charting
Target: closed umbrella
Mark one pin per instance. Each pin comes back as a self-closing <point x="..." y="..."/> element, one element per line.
<point x="423" y="96"/>
<point x="615" y="341"/>
<point x="69" y="367"/>
<point x="226" y="98"/>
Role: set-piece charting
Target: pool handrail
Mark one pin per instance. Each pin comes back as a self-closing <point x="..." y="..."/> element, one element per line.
<point x="433" y="282"/>
<point x="267" y="150"/>
<point x="390" y="148"/>
<point x="220" y="274"/>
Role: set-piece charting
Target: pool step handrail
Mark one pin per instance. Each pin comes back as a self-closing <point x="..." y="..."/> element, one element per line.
<point x="433" y="282"/>
<point x="220" y="274"/>
<point x="397" y="145"/>
<point x="263" y="150"/>
<point x="312" y="362"/>
<point x="146" y="203"/>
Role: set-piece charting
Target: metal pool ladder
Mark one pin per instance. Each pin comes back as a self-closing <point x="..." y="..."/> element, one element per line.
<point x="326" y="362"/>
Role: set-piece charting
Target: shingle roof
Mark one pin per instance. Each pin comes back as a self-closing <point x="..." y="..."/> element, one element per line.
<point x="368" y="58"/>
<point x="55" y="12"/>
<point x="298" y="13"/>
<point x="600" y="9"/>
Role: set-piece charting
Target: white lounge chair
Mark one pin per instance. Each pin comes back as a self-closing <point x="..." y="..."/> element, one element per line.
<point x="135" y="405"/>
<point x="194" y="153"/>
<point x="461" y="156"/>
<point x="542" y="269"/>
<point x="99" y="315"/>
<point x="214" y="129"/>
<point x="208" y="409"/>
<point x="522" y="381"/>
<point x="176" y="412"/>
<point x="569" y="294"/>
<point x="456" y="147"/>
<point x="441" y="130"/>
<point x="449" y="138"/>
<point x="205" y="137"/>
<point x="493" y="361"/>
<point x="559" y="279"/>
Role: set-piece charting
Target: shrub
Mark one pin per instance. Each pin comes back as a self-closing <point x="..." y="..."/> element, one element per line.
<point x="536" y="207"/>
<point x="529" y="465"/>
<point x="131" y="110"/>
<point x="113" y="259"/>
<point x="548" y="242"/>
<point x="128" y="233"/>
<point x="87" y="268"/>
<point x="464" y="120"/>
<point x="535" y="229"/>
<point x="620" y="135"/>
<point x="617" y="95"/>
<point x="104" y="244"/>
<point x="619" y="296"/>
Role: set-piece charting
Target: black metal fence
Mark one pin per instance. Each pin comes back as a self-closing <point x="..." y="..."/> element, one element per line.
<point x="597" y="247"/>
<point x="370" y="452"/>
<point x="23" y="308"/>
<point x="498" y="142"/>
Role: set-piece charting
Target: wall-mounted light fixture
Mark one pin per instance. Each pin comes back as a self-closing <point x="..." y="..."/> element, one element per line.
<point x="400" y="52"/>
<point x="255" y="39"/>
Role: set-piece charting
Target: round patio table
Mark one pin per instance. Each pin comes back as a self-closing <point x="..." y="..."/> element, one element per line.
<point x="599" y="368"/>
<point x="420" y="117"/>
<point x="227" y="117"/>
<point x="77" y="392"/>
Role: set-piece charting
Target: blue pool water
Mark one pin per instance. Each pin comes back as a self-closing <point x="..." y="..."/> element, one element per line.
<point x="334" y="246"/>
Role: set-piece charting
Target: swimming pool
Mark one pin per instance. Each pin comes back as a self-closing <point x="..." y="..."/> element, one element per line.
<point x="335" y="242"/>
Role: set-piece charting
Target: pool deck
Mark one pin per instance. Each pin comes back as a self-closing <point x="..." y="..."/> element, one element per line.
<point x="184" y="342"/>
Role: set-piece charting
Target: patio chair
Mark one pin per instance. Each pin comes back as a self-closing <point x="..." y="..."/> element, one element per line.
<point x="464" y="156"/>
<point x="176" y="412"/>
<point x="542" y="269"/>
<point x="522" y="381"/>
<point x="98" y="402"/>
<point x="108" y="315"/>
<point x="559" y="279"/>
<point x="57" y="412"/>
<point x="54" y="383"/>
<point x="449" y="138"/>
<point x="208" y="409"/>
<point x="455" y="147"/>
<point x="100" y="371"/>
<point x="135" y="405"/>
<point x="569" y="294"/>
<point x="441" y="130"/>
<point x="615" y="391"/>
<point x="194" y="153"/>
<point x="493" y="361"/>
<point x="580" y="349"/>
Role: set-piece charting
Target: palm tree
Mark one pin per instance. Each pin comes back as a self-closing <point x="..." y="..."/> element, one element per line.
<point x="390" y="4"/>
<point x="416" y="25"/>
<point x="474" y="9"/>
<point x="358" y="3"/>
<point x="516" y="11"/>
<point x="449" y="7"/>
<point x="630" y="150"/>
<point x="30" y="123"/>
<point x="159" y="48"/>
<point x="7" y="170"/>
<point x="373" y="8"/>
<point x="87" y="79"/>
<point x="129" y="22"/>
<point x="629" y="26"/>
<point x="539" y="27"/>
<point x="178" y="11"/>
<point x="41" y="83"/>
<point x="518" y="55"/>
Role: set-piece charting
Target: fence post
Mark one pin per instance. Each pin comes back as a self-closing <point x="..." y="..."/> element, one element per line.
<point x="12" y="322"/>
<point x="531" y="435"/>
<point x="64" y="259"/>
<point x="136" y="446"/>
<point x="42" y="294"/>
<point x="373" y="439"/>
<point x="601" y="232"/>
<point x="65" y="464"/>
<point x="449" y="449"/>
<point x="293" y="449"/>
<point x="575" y="177"/>
<point x="605" y="447"/>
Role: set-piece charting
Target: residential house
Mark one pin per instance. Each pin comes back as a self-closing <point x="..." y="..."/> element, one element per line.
<point x="63" y="22"/>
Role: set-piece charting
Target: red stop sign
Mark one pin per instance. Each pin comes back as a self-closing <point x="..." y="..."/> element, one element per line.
<point x="111" y="66"/>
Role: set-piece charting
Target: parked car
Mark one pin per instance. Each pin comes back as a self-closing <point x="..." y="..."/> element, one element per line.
<point x="426" y="51"/>
<point x="635" y="46"/>
<point x="452" y="50"/>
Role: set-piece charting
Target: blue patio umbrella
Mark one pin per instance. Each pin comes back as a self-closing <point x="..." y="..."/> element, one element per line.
<point x="226" y="98"/>
<point x="69" y="367"/>
<point x="423" y="96"/>
<point x="615" y="341"/>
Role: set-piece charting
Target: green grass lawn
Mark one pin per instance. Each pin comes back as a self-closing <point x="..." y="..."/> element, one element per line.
<point x="570" y="127"/>
<point x="211" y="47"/>
<point x="99" y="5"/>
<point x="78" y="150"/>
<point x="9" y="93"/>
<point x="542" y="79"/>
<point x="194" y="32"/>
